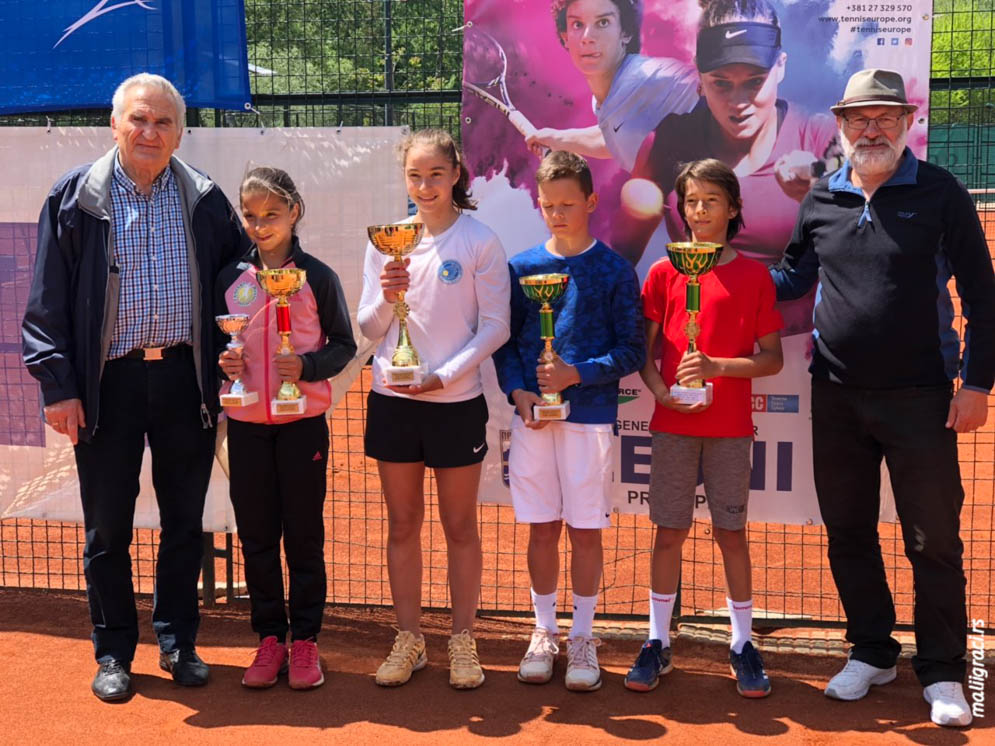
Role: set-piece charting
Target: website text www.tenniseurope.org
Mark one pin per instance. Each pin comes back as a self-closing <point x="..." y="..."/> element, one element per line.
<point x="872" y="24"/>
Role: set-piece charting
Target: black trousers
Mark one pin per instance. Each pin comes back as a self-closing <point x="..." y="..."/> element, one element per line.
<point x="278" y="484"/>
<point x="158" y="400"/>
<point x="852" y="429"/>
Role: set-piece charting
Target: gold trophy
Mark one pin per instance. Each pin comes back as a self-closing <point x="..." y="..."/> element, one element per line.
<point x="397" y="241"/>
<point x="281" y="284"/>
<point x="234" y="324"/>
<point x="546" y="289"/>
<point x="693" y="258"/>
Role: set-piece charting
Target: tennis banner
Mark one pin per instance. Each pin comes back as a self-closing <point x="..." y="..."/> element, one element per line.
<point x="617" y="82"/>
<point x="72" y="54"/>
<point x="350" y="177"/>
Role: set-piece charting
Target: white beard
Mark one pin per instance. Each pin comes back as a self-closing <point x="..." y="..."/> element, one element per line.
<point x="870" y="163"/>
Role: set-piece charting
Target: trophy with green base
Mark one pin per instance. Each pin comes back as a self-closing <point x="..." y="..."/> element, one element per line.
<point x="397" y="241"/>
<point x="547" y="289"/>
<point x="693" y="259"/>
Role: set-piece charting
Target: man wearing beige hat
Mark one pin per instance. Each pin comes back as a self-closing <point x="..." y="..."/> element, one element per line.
<point x="882" y="236"/>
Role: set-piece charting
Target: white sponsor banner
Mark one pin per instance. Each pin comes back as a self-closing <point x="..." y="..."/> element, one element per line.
<point x="349" y="178"/>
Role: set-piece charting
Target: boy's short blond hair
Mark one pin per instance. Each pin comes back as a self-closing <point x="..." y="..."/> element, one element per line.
<point x="562" y="164"/>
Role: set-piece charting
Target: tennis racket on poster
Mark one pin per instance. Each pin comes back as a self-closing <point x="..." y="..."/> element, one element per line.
<point x="485" y="71"/>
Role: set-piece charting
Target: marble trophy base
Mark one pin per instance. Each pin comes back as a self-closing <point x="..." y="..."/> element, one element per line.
<point x="549" y="412"/>
<point x="405" y="375"/>
<point x="239" y="400"/>
<point x="689" y="395"/>
<point x="279" y="407"/>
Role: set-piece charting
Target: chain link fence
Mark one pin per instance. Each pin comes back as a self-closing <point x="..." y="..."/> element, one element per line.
<point x="334" y="63"/>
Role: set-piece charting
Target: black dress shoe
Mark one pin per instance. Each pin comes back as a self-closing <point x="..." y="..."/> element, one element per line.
<point x="113" y="681"/>
<point x="186" y="666"/>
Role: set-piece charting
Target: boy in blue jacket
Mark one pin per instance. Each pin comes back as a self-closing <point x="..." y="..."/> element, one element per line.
<point x="562" y="470"/>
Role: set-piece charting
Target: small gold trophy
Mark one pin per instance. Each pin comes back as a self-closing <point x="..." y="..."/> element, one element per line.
<point x="693" y="258"/>
<point x="397" y="241"/>
<point x="546" y="289"/>
<point x="234" y="324"/>
<point x="281" y="284"/>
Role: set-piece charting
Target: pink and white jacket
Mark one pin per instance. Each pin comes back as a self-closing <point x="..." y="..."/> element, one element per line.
<point x="321" y="333"/>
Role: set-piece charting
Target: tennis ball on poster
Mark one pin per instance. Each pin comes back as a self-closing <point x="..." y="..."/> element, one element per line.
<point x="641" y="198"/>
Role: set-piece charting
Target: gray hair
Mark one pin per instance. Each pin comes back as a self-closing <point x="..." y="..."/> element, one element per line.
<point x="149" y="80"/>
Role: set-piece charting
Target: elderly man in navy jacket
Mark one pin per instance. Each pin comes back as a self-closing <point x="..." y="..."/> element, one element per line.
<point x="119" y="332"/>
<point x="882" y="236"/>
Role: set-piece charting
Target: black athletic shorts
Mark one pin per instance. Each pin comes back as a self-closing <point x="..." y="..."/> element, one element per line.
<point x="442" y="434"/>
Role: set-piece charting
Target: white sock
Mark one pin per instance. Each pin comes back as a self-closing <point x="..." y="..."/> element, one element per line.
<point x="583" y="619"/>
<point x="544" y="605"/>
<point x="741" y="617"/>
<point x="661" y="611"/>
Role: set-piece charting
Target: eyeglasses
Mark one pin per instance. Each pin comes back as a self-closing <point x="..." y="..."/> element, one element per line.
<point x="884" y="122"/>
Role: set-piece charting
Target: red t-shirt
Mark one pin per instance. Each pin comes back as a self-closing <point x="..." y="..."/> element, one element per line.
<point x="737" y="308"/>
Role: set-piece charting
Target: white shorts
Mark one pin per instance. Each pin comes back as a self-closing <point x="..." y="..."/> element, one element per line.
<point x="562" y="472"/>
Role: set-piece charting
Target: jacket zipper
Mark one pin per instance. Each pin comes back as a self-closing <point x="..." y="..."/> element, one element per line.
<point x="266" y="351"/>
<point x="205" y="415"/>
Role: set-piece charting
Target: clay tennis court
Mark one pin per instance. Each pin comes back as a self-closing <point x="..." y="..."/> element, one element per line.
<point x="47" y="663"/>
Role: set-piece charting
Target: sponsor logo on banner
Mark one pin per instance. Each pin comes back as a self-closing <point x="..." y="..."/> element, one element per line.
<point x="98" y="10"/>
<point x="627" y="395"/>
<point x="776" y="403"/>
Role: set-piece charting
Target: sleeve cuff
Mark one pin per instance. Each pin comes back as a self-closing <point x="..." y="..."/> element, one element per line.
<point x="307" y="367"/>
<point x="587" y="372"/>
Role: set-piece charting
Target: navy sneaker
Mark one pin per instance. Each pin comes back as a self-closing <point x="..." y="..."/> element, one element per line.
<point x="748" y="668"/>
<point x="652" y="663"/>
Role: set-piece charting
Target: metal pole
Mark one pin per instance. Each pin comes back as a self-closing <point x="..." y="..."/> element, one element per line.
<point x="388" y="64"/>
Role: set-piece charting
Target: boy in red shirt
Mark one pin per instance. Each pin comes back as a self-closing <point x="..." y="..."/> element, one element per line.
<point x="737" y="317"/>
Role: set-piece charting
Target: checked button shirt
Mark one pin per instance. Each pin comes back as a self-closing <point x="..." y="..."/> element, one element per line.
<point x="155" y="304"/>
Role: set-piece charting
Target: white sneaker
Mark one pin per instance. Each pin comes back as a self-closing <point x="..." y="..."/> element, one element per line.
<point x="583" y="672"/>
<point x="856" y="679"/>
<point x="948" y="706"/>
<point x="537" y="665"/>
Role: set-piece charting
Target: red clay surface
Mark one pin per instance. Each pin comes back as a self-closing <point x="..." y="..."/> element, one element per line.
<point x="47" y="664"/>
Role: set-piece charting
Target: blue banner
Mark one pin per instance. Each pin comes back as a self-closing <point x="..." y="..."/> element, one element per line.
<point x="72" y="54"/>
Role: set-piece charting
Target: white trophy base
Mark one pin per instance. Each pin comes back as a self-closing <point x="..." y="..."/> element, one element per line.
<point x="548" y="412"/>
<point x="688" y="395"/>
<point x="398" y="375"/>
<point x="239" y="400"/>
<point x="278" y="407"/>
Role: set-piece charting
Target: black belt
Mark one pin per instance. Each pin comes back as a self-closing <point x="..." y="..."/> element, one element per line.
<point x="157" y="353"/>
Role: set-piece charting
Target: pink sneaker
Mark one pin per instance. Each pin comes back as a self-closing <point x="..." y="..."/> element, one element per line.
<point x="305" y="665"/>
<point x="270" y="662"/>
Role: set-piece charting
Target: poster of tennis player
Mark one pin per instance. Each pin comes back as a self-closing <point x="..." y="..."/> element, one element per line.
<point x="640" y="87"/>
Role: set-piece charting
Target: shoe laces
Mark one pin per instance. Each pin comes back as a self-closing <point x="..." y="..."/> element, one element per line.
<point x="948" y="691"/>
<point x="752" y="662"/>
<point x="304" y="653"/>
<point x="582" y="651"/>
<point x="542" y="645"/>
<point x="113" y="667"/>
<point x="462" y="650"/>
<point x="648" y="655"/>
<point x="853" y="669"/>
<point x="267" y="652"/>
<point x="403" y="652"/>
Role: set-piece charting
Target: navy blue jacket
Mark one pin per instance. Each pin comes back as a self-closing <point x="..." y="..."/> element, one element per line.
<point x="72" y="306"/>
<point x="883" y="314"/>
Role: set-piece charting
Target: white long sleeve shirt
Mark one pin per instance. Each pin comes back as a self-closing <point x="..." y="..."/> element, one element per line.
<point x="459" y="296"/>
